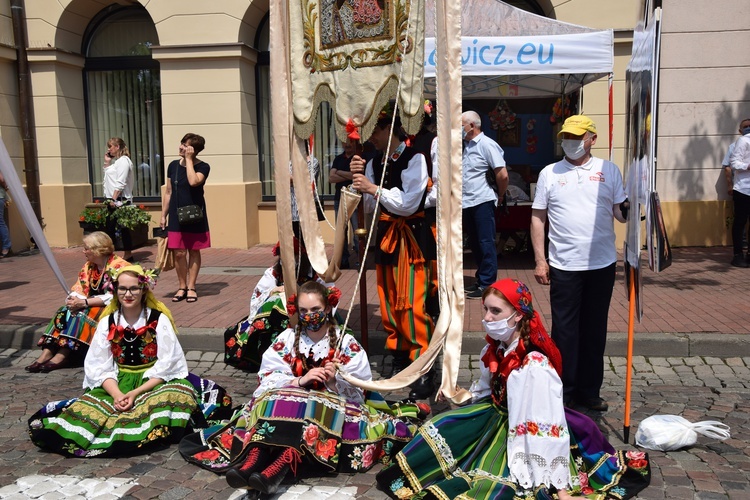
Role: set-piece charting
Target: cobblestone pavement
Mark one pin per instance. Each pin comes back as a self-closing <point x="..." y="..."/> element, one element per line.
<point x="698" y="388"/>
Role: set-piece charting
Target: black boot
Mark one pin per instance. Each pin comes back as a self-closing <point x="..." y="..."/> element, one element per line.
<point x="424" y="386"/>
<point x="257" y="459"/>
<point x="269" y="480"/>
<point x="400" y="361"/>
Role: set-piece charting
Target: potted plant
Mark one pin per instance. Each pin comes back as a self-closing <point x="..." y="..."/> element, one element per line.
<point x="130" y="224"/>
<point x="123" y="222"/>
<point x="94" y="218"/>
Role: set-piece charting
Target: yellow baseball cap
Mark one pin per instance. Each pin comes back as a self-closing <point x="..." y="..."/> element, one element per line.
<point x="577" y="125"/>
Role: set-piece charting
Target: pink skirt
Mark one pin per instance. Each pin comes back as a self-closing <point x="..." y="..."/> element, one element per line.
<point x="188" y="241"/>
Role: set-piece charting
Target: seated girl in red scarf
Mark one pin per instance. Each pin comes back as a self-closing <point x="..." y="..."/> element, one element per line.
<point x="522" y="442"/>
<point x="304" y="415"/>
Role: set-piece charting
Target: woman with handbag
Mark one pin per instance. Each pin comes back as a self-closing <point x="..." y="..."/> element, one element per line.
<point x="187" y="224"/>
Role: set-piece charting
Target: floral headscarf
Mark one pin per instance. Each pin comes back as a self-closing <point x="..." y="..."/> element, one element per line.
<point x="519" y="296"/>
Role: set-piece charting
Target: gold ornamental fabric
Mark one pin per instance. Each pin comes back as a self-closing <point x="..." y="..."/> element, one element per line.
<point x="349" y="53"/>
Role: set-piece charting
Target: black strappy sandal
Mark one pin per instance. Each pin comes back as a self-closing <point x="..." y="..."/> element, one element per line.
<point x="190" y="299"/>
<point x="179" y="297"/>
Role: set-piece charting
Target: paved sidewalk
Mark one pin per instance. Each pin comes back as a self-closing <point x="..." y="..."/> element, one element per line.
<point x="696" y="388"/>
<point x="694" y="335"/>
<point x="698" y="306"/>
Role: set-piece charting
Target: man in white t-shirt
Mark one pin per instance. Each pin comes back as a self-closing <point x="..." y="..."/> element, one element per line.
<point x="740" y="162"/>
<point x="580" y="196"/>
<point x="726" y="164"/>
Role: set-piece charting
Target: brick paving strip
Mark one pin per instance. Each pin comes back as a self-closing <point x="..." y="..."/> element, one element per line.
<point x="694" y="361"/>
<point x="698" y="388"/>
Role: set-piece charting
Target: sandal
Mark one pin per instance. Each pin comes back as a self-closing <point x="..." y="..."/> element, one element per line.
<point x="190" y="299"/>
<point x="178" y="297"/>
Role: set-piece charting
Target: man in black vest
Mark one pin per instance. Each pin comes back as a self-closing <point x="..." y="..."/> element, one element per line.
<point x="403" y="244"/>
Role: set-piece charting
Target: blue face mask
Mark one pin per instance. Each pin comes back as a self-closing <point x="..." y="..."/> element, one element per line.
<point x="746" y="131"/>
<point x="463" y="133"/>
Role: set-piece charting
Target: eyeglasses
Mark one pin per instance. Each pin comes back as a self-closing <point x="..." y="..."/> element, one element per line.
<point x="133" y="290"/>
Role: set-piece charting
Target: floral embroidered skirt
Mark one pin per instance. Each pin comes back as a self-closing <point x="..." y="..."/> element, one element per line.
<point x="73" y="331"/>
<point x="245" y="343"/>
<point x="445" y="461"/>
<point x="90" y="426"/>
<point x="330" y="432"/>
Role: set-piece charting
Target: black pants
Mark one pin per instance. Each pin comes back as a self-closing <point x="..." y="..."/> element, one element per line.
<point x="120" y="236"/>
<point x="741" y="214"/>
<point x="580" y="307"/>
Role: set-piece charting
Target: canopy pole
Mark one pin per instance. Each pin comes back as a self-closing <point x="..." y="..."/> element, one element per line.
<point x="629" y="361"/>
<point x="611" y="117"/>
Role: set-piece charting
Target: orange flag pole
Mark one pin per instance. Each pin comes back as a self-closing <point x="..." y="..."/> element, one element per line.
<point x="629" y="363"/>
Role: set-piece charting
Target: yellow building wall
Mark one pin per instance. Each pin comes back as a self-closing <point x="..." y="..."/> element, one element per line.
<point x="208" y="87"/>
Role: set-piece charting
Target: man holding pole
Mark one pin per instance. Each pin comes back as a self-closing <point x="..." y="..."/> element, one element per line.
<point x="403" y="244"/>
<point x="580" y="196"/>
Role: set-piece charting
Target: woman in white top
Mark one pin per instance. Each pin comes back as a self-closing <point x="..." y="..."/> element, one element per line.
<point x="118" y="184"/>
<point x="523" y="442"/>
<point x="138" y="392"/>
<point x="304" y="415"/>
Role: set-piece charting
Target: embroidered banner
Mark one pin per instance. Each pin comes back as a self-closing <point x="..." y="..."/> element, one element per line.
<point x="352" y="53"/>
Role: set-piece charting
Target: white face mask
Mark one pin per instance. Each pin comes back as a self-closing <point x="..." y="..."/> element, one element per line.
<point x="574" y="148"/>
<point x="500" y="330"/>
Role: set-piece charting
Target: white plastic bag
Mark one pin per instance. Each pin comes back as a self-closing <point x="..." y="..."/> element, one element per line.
<point x="672" y="432"/>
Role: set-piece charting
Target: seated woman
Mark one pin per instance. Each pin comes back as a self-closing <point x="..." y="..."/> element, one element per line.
<point x="523" y="443"/>
<point x="304" y="414"/>
<point x="137" y="393"/>
<point x="69" y="333"/>
<point x="246" y="341"/>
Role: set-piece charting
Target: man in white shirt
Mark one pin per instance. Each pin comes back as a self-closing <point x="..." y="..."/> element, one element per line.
<point x="740" y="163"/>
<point x="481" y="154"/>
<point x="726" y="163"/>
<point x="580" y="196"/>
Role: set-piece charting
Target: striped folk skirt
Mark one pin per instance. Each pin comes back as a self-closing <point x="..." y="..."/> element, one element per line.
<point x="463" y="454"/>
<point x="71" y="330"/>
<point x="331" y="433"/>
<point x="90" y="426"/>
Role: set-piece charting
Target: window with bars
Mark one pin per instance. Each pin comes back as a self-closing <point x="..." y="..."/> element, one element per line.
<point x="123" y="96"/>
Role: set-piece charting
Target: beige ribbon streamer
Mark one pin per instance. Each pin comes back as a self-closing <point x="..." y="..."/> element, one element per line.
<point x="349" y="201"/>
<point x="281" y="139"/>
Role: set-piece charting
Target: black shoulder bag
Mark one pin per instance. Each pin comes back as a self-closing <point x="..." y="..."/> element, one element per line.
<point x="187" y="214"/>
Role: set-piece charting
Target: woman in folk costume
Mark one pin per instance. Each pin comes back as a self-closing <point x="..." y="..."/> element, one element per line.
<point x="136" y="378"/>
<point x="405" y="244"/>
<point x="523" y="443"/>
<point x="247" y="340"/>
<point x="304" y="415"/>
<point x="71" y="329"/>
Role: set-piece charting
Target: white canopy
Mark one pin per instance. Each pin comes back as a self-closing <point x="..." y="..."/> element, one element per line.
<point x="508" y="52"/>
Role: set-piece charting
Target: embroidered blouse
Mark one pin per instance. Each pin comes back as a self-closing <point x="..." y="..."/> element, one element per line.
<point x="93" y="282"/>
<point x="157" y="341"/>
<point x="538" y="438"/>
<point x="276" y="366"/>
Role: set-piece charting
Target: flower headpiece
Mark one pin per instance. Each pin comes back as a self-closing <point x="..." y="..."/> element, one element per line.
<point x="386" y="112"/>
<point x="333" y="295"/>
<point x="146" y="277"/>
